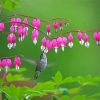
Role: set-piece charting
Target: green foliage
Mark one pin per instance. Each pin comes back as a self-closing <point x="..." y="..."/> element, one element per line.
<point x="14" y="93"/>
<point x="54" y="88"/>
<point x="10" y="4"/>
<point x="15" y="77"/>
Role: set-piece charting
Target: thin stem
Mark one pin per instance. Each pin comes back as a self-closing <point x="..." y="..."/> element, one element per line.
<point x="29" y="26"/>
<point x="20" y="55"/>
<point x="54" y="19"/>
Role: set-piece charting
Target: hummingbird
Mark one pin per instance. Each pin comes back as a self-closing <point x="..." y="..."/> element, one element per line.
<point x="40" y="64"/>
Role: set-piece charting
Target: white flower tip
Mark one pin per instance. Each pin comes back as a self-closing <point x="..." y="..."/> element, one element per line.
<point x="14" y="45"/>
<point x="35" y="41"/>
<point x="10" y="45"/>
<point x="56" y="30"/>
<point x="6" y="69"/>
<point x="17" y="67"/>
<point x="56" y="50"/>
<point x="81" y="42"/>
<point x="70" y="44"/>
<point x="62" y="48"/>
<point x="19" y="39"/>
<point x="61" y="28"/>
<point x="98" y="43"/>
<point x="87" y="44"/>
<point x="48" y="33"/>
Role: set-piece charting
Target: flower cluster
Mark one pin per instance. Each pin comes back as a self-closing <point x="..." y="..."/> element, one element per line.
<point x="20" y="29"/>
<point x="63" y="41"/>
<point x="83" y="39"/>
<point x="7" y="63"/>
<point x="56" y="25"/>
<point x="54" y="43"/>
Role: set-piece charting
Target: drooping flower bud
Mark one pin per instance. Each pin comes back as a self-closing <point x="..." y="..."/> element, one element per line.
<point x="55" y="45"/>
<point x="35" y="34"/>
<point x="36" y="23"/>
<point x="80" y="36"/>
<point x="17" y="62"/>
<point x="11" y="41"/>
<point x="43" y="43"/>
<point x="60" y="24"/>
<point x="2" y="26"/>
<point x="55" y="25"/>
<point x="70" y="39"/>
<point x="48" y="29"/>
<point x="86" y="40"/>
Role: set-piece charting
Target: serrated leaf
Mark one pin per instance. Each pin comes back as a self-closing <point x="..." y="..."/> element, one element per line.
<point x="58" y="78"/>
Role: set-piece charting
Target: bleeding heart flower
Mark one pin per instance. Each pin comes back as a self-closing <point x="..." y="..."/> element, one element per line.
<point x="70" y="39"/>
<point x="20" y="34"/>
<point x="11" y="41"/>
<point x="4" y="63"/>
<point x="25" y="32"/>
<point x="18" y="20"/>
<point x="35" y="34"/>
<point x="43" y="43"/>
<point x="0" y="65"/>
<point x="17" y="62"/>
<point x="80" y="36"/>
<point x="55" y="45"/>
<point x="48" y="45"/>
<point x="97" y="37"/>
<point x="86" y="40"/>
<point x="62" y="42"/>
<point x="25" y="21"/>
<point x="8" y="64"/>
<point x="12" y="29"/>
<point x="55" y="25"/>
<point x="13" y="21"/>
<point x="60" y="24"/>
<point x="48" y="29"/>
<point x="36" y="23"/>
<point x="2" y="27"/>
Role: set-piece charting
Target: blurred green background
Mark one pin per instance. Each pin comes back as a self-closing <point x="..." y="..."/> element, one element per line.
<point x="83" y="15"/>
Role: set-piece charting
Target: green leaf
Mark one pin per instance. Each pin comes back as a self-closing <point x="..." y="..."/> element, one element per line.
<point x="10" y="4"/>
<point x="68" y="80"/>
<point x="15" y="93"/>
<point x="1" y="81"/>
<point x="75" y="90"/>
<point x="19" y="71"/>
<point x="16" y="77"/>
<point x="64" y="98"/>
<point x="58" y="78"/>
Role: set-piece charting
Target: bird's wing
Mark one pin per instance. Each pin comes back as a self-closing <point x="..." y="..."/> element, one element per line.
<point x="29" y="60"/>
<point x="51" y="64"/>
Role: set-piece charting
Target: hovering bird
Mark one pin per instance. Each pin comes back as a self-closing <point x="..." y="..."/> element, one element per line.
<point x="41" y="64"/>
